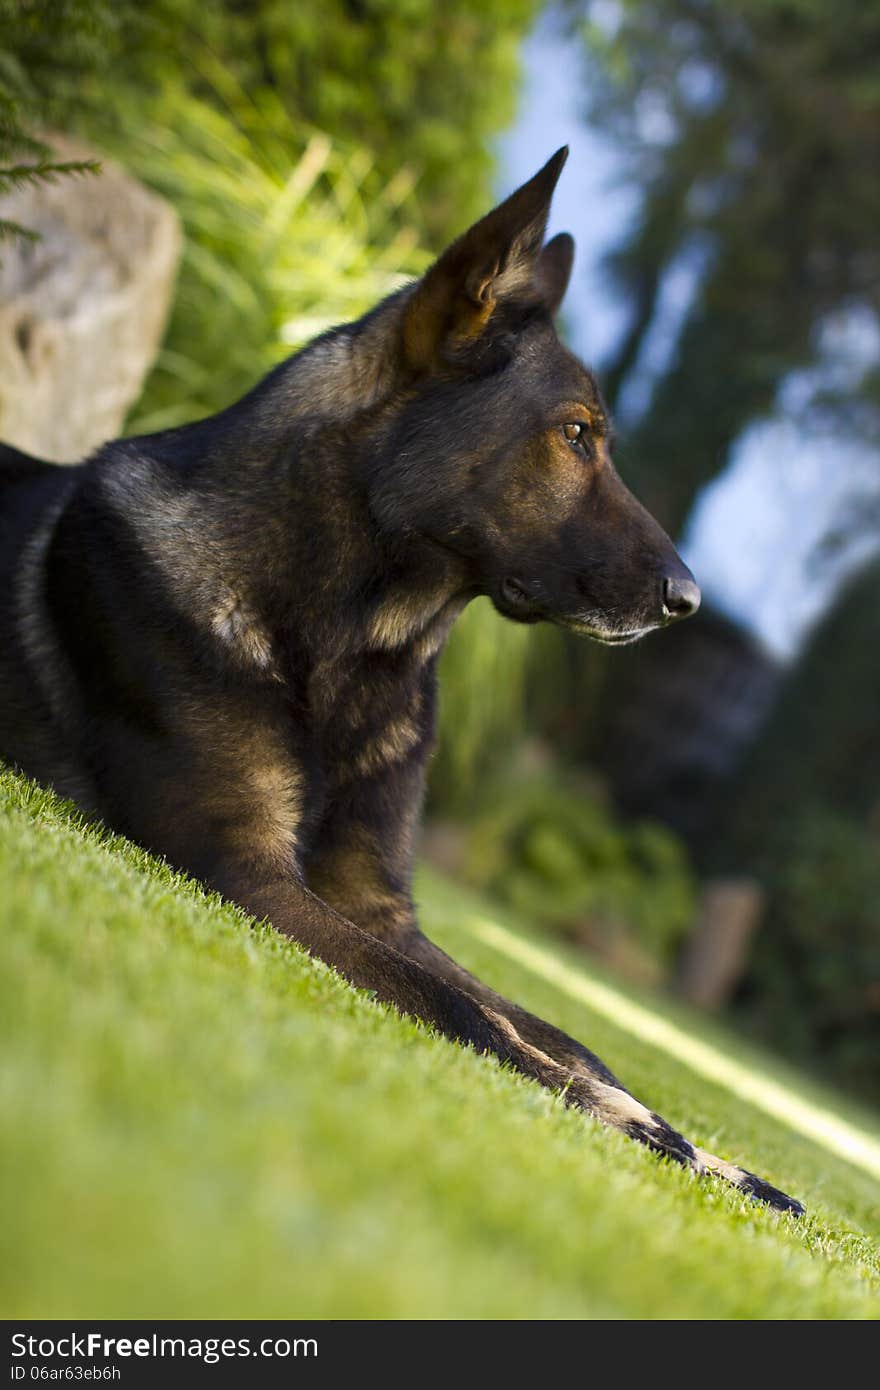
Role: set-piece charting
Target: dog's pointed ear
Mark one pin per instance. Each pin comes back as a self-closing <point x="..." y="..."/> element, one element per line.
<point x="497" y="257"/>
<point x="553" y="270"/>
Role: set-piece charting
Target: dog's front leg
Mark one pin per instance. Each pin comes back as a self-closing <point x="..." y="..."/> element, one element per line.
<point x="413" y="988"/>
<point x="420" y="990"/>
<point x="607" y="1100"/>
<point x="361" y="861"/>
<point x="372" y="964"/>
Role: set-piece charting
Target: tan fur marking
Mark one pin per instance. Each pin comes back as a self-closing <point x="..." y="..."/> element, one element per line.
<point x="409" y="617"/>
<point x="471" y="320"/>
<point x="391" y="746"/>
<point x="239" y="629"/>
<point x="612" y="1106"/>
<point x="431" y="641"/>
<point x="399" y="619"/>
<point x="393" y="624"/>
<point x="351" y="880"/>
<point x="618" y="1107"/>
<point x="249" y="785"/>
<point x="708" y="1163"/>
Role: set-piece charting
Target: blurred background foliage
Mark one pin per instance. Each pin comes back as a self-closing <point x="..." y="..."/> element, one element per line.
<point x="750" y="130"/>
<point x="39" y="78"/>
<point x="551" y="848"/>
<point x="318" y="152"/>
<point x="414" y="82"/>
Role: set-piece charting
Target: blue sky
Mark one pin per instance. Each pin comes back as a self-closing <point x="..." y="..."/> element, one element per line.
<point x="754" y="538"/>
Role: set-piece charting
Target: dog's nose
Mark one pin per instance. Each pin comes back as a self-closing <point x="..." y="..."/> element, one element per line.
<point x="681" y="595"/>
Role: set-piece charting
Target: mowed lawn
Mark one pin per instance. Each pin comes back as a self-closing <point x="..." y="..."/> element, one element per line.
<point x="199" y="1121"/>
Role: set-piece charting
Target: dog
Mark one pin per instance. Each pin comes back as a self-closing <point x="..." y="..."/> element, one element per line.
<point x="222" y="639"/>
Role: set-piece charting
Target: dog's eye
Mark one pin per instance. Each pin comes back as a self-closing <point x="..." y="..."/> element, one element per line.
<point x="575" y="434"/>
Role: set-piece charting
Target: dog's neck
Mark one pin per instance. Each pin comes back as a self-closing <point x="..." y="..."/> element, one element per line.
<point x="366" y="591"/>
<point x="360" y="589"/>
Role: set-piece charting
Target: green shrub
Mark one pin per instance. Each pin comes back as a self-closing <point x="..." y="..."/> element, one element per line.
<point x="553" y="852"/>
<point x="287" y="233"/>
<point x="421" y="84"/>
<point x="483" y="675"/>
<point x="814" y="985"/>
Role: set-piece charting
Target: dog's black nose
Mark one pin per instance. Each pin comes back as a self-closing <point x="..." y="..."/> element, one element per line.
<point x="681" y="596"/>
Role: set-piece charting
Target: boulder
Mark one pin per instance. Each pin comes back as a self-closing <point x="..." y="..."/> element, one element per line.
<point x="83" y="309"/>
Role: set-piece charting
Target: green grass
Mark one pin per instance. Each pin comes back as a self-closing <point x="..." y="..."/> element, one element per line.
<point x="201" y="1122"/>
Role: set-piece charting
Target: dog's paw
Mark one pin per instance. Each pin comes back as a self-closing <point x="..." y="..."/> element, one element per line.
<point x="763" y="1191"/>
<point x="749" y="1183"/>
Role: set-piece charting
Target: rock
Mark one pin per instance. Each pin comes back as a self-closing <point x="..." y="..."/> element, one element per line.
<point x="82" y="311"/>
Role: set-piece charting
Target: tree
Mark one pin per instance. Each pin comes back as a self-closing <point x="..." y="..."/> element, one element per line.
<point x="45" y="50"/>
<point x="752" y="130"/>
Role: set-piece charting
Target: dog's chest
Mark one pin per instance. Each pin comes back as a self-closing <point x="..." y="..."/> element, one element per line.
<point x="370" y="709"/>
<point x="374" y="713"/>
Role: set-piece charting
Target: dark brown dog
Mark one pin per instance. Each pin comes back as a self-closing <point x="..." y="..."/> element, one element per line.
<point x="222" y="639"/>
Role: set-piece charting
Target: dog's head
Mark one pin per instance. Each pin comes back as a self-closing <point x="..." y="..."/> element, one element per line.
<point x="499" y="449"/>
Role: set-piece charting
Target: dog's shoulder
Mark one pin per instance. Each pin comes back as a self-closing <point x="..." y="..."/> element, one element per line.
<point x="23" y="477"/>
<point x="15" y="464"/>
<point x="32" y="492"/>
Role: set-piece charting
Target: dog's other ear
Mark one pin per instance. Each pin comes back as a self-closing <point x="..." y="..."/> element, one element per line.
<point x="496" y="258"/>
<point x="553" y="270"/>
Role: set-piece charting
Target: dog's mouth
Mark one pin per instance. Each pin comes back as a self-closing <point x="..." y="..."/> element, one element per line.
<point x="605" y="636"/>
<point x="514" y="601"/>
